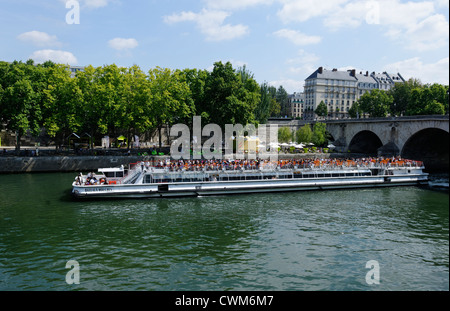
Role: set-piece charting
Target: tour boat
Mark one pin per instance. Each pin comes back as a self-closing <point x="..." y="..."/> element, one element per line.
<point x="141" y="180"/>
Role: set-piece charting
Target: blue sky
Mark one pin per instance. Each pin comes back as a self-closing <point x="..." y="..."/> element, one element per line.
<point x="280" y="41"/>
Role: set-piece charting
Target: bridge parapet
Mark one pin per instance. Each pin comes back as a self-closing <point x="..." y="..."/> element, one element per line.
<point x="385" y="136"/>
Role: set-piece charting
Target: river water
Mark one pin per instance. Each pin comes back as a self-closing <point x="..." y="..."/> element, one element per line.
<point x="315" y="241"/>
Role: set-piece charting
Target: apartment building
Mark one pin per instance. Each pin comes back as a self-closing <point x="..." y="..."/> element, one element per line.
<point x="296" y="104"/>
<point x="74" y="70"/>
<point x="339" y="90"/>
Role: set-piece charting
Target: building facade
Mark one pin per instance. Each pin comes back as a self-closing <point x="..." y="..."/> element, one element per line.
<point x="296" y="105"/>
<point x="339" y="90"/>
<point x="74" y="70"/>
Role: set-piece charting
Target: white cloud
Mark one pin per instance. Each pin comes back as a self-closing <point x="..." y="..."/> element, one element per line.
<point x="351" y="15"/>
<point x="56" y="56"/>
<point x="413" y="24"/>
<point x="297" y="37"/>
<point x="404" y="15"/>
<point x="437" y="72"/>
<point x="95" y="3"/>
<point x="211" y="24"/>
<point x="303" y="64"/>
<point x="39" y="38"/>
<point x="442" y="3"/>
<point x="430" y="34"/>
<point x="121" y="44"/>
<point x="289" y="85"/>
<point x="235" y="4"/>
<point x="301" y="11"/>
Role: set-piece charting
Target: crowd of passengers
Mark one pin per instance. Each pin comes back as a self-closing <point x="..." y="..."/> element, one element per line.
<point x="220" y="165"/>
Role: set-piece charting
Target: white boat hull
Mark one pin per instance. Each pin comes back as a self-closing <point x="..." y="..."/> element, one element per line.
<point x="209" y="188"/>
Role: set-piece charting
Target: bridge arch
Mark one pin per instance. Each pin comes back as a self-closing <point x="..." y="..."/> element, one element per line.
<point x="429" y="145"/>
<point x="365" y="142"/>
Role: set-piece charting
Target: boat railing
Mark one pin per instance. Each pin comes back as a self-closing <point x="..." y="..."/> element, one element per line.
<point x="133" y="172"/>
<point x="349" y="164"/>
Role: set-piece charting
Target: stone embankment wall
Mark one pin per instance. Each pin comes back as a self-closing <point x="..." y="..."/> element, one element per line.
<point x="63" y="163"/>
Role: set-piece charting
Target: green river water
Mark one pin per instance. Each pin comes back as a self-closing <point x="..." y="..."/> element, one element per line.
<point x="303" y="241"/>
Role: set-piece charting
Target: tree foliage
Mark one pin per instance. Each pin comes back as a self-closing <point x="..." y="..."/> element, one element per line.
<point x="284" y="134"/>
<point x="113" y="100"/>
<point x="319" y="135"/>
<point x="304" y="134"/>
<point x="376" y="103"/>
<point x="321" y="109"/>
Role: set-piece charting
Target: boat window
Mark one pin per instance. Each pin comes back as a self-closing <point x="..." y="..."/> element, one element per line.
<point x="119" y="174"/>
<point x="109" y="174"/>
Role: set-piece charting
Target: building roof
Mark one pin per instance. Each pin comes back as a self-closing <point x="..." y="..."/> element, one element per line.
<point x="334" y="74"/>
<point x="365" y="79"/>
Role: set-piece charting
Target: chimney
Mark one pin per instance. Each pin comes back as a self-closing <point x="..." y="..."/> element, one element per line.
<point x="320" y="70"/>
<point x="334" y="69"/>
<point x="353" y="73"/>
<point x="367" y="73"/>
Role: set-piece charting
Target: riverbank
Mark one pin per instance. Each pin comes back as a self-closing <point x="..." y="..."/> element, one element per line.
<point x="48" y="164"/>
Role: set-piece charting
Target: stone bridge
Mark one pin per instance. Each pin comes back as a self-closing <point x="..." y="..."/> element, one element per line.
<point x="423" y="138"/>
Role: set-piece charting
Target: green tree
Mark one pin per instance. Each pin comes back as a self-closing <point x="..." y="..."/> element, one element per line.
<point x="304" y="134"/>
<point x="284" y="134"/>
<point x="61" y="106"/>
<point x="355" y="111"/>
<point x="21" y="98"/>
<point x="196" y="80"/>
<point x="434" y="107"/>
<point x="262" y="110"/>
<point x="228" y="100"/>
<point x="319" y="135"/>
<point x="321" y="109"/>
<point x="102" y="100"/>
<point x="376" y="103"/>
<point x="171" y="97"/>
<point x="428" y="99"/>
<point x="250" y="94"/>
<point x="134" y="114"/>
<point x="401" y="96"/>
<point x="283" y="99"/>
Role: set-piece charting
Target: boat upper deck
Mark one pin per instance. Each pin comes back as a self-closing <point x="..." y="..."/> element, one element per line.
<point x="242" y="170"/>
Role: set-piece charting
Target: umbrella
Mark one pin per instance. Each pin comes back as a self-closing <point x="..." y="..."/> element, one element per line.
<point x="331" y="146"/>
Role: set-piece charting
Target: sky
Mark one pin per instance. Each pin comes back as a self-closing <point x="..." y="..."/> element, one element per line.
<point x="280" y="42"/>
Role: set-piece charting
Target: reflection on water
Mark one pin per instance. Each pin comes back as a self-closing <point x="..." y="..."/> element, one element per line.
<point x="293" y="241"/>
